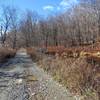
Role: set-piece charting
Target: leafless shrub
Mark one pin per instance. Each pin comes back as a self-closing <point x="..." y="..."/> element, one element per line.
<point x="75" y="73"/>
<point x="33" y="53"/>
<point x="6" y="53"/>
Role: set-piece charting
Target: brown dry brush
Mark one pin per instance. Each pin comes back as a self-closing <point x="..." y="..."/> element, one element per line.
<point x="6" y="53"/>
<point x="33" y="53"/>
<point x="75" y="74"/>
<point x="81" y="75"/>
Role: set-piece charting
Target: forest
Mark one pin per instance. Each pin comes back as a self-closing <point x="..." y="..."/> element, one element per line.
<point x="66" y="45"/>
<point x="77" y="26"/>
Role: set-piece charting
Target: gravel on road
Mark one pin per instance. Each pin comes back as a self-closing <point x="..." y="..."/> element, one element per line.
<point x="21" y="79"/>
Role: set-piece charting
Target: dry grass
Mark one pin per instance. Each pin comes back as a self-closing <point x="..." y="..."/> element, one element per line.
<point x="77" y="74"/>
<point x="55" y="49"/>
<point x="6" y="53"/>
<point x="80" y="75"/>
<point x="33" y="53"/>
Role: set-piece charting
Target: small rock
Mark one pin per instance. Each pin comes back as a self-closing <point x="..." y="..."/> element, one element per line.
<point x="19" y="81"/>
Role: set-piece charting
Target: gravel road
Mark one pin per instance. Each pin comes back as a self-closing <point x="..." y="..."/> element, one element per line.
<point x="21" y="79"/>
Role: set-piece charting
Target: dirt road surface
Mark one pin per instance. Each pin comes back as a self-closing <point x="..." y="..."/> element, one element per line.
<point x="21" y="79"/>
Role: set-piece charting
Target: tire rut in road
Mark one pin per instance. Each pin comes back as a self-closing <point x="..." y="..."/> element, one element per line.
<point x="13" y="87"/>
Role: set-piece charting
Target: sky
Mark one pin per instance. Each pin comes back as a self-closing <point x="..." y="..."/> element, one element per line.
<point x="43" y="7"/>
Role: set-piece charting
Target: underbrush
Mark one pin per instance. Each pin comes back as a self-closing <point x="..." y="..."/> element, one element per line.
<point x="80" y="76"/>
<point x="33" y="53"/>
<point x="6" y="53"/>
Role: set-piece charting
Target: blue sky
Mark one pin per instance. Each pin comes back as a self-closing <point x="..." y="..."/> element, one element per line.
<point x="43" y="7"/>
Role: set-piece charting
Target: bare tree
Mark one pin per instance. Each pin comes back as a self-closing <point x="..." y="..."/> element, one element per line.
<point x="28" y="27"/>
<point x="14" y="26"/>
<point x="75" y="27"/>
<point x="6" y="18"/>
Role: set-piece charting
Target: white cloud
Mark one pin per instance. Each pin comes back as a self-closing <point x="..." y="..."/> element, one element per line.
<point x="67" y="3"/>
<point x="48" y="7"/>
<point x="64" y="3"/>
